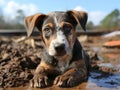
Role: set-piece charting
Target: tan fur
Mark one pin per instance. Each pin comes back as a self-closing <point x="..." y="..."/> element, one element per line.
<point x="49" y="24"/>
<point x="69" y="71"/>
<point x="31" y="22"/>
<point x="47" y="41"/>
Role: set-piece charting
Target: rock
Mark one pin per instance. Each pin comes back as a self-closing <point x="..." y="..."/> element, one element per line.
<point x="109" y="68"/>
<point x="112" y="44"/>
<point x="111" y="34"/>
<point x="83" y="38"/>
<point x="27" y="40"/>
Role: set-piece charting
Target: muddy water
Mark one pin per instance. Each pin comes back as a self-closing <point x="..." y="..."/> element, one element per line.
<point x="97" y="81"/>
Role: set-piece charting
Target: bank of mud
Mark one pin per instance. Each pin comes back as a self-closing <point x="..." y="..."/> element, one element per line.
<point x="19" y="56"/>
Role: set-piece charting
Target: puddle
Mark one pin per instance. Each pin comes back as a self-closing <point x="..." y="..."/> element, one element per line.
<point x="104" y="80"/>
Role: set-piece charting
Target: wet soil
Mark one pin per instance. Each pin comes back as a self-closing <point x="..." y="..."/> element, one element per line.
<point x="19" y="56"/>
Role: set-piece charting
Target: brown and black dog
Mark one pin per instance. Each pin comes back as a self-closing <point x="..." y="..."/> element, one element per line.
<point x="63" y="55"/>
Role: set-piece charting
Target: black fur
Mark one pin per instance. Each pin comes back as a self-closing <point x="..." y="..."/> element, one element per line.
<point x="78" y="54"/>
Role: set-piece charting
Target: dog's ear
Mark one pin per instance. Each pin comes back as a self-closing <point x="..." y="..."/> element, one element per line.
<point x="80" y="16"/>
<point x="34" y="21"/>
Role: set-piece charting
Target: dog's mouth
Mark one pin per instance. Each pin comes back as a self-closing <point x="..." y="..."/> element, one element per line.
<point x="61" y="53"/>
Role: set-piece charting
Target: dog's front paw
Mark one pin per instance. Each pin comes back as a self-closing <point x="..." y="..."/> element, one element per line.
<point x="65" y="81"/>
<point x="39" y="81"/>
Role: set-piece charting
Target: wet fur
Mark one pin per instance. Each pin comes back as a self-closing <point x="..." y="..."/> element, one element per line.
<point x="69" y="69"/>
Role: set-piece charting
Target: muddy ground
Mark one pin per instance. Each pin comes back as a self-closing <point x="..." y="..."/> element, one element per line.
<point x="19" y="56"/>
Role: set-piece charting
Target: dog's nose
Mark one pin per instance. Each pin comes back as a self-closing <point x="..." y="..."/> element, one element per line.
<point x="60" y="48"/>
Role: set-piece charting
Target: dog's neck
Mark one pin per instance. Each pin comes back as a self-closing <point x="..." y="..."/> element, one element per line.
<point x="77" y="51"/>
<point x="49" y="59"/>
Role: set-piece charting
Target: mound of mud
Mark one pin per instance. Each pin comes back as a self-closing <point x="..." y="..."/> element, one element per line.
<point x="17" y="63"/>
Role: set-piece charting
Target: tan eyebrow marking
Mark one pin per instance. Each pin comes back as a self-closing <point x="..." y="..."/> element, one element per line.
<point x="49" y="24"/>
<point x="62" y="23"/>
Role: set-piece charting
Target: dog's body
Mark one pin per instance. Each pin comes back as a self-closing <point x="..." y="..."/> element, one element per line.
<point x="63" y="55"/>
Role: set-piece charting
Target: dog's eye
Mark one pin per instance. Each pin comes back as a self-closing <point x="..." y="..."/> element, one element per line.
<point x="47" y="29"/>
<point x="67" y="29"/>
<point x="47" y="32"/>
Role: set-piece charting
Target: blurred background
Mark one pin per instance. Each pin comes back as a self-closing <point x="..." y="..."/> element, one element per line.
<point x="103" y="14"/>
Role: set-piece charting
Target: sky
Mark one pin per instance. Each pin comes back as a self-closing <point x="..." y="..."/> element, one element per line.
<point x="96" y="9"/>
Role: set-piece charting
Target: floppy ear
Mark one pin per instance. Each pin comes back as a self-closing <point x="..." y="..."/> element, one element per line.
<point x="80" y="16"/>
<point x="33" y="21"/>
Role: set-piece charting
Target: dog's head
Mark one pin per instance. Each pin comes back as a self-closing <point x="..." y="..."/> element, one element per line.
<point x="57" y="30"/>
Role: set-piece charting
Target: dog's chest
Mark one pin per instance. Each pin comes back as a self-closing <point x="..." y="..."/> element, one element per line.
<point x="63" y="63"/>
<point x="62" y="66"/>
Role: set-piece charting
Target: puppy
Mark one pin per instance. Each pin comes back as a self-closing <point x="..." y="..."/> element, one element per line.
<point x="63" y="56"/>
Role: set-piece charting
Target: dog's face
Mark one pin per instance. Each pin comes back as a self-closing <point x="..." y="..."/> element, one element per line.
<point x="57" y="30"/>
<point x="58" y="34"/>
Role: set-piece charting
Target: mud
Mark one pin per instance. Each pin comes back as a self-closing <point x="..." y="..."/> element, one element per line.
<point x="20" y="56"/>
<point x="17" y="62"/>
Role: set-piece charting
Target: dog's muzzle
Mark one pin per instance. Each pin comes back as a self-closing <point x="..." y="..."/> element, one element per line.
<point x="60" y="50"/>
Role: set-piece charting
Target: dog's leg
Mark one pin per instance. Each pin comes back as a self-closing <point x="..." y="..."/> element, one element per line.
<point x="72" y="77"/>
<point x="40" y="78"/>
